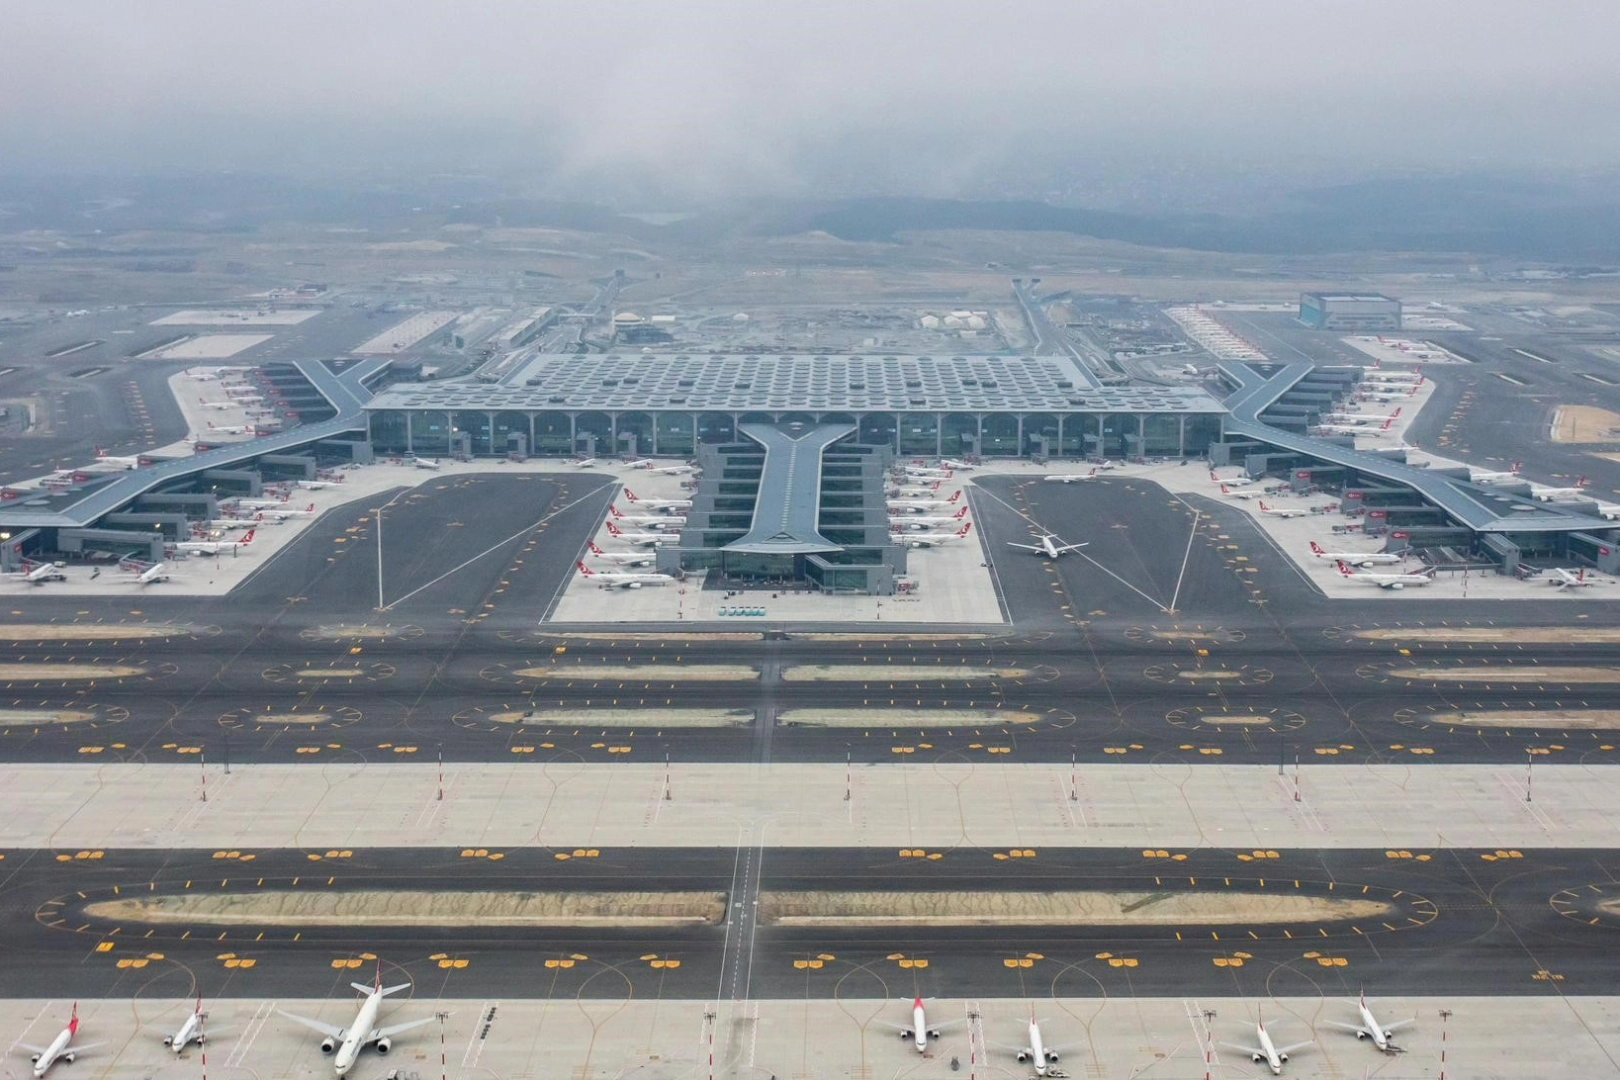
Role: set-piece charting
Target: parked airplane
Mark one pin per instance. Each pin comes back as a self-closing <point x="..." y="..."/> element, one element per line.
<point x="229" y="429"/>
<point x="33" y="573"/>
<point x="1357" y="558"/>
<point x="261" y="504"/>
<point x="917" y="506"/>
<point x="1070" y="478"/>
<point x="638" y="463"/>
<point x="218" y="404"/>
<point x="622" y="581"/>
<point x="1048" y="546"/>
<point x="1352" y="429"/>
<point x="583" y="463"/>
<point x="1273" y="1055"/>
<point x="1339" y="417"/>
<point x="287" y="512"/>
<point x="145" y="573"/>
<point x="960" y="466"/>
<point x="1389" y="395"/>
<point x="1486" y="476"/>
<point x="657" y="521"/>
<point x="1282" y="511"/>
<point x="318" y="485"/>
<point x="349" y="1041"/>
<point x="1552" y="494"/>
<point x="426" y="463"/>
<point x="190" y="1032"/>
<point x="1248" y="493"/>
<point x="1232" y="482"/>
<point x="213" y="547"/>
<point x="1389" y="581"/>
<point x="658" y="504"/>
<point x="622" y="558"/>
<point x="1370" y="1028"/>
<point x="239" y="390"/>
<point x="61" y="1048"/>
<point x="1037" y="1053"/>
<point x="110" y="460"/>
<point x="920" y="473"/>
<point x="930" y="521"/>
<point x="1570" y="579"/>
<point x="916" y="489"/>
<point x="928" y="540"/>
<point x="672" y="470"/>
<point x="919" y="1032"/>
<point x="645" y="539"/>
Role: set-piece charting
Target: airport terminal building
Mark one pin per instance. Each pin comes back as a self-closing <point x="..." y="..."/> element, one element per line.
<point x="1349" y="311"/>
<point x="670" y="405"/>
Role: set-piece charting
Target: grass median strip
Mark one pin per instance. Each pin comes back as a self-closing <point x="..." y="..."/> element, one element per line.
<point x="417" y="907"/>
<point x="1198" y="907"/>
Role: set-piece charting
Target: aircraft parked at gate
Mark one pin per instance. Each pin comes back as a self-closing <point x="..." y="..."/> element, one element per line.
<point x="33" y="573"/>
<point x="930" y="521"/>
<point x="622" y="581"/>
<point x="190" y="1032"/>
<point x="658" y="504"/>
<point x="1570" y="579"/>
<point x="61" y="1048"/>
<point x="1282" y="511"/>
<point x="645" y="539"/>
<point x="1274" y="1056"/>
<point x="919" y="1032"/>
<point x="928" y="540"/>
<point x="622" y="558"/>
<point x="1370" y="1028"/>
<point x="1389" y="581"/>
<point x="1357" y="558"/>
<point x="1486" y="476"/>
<point x="213" y="547"/>
<point x="349" y="1041"/>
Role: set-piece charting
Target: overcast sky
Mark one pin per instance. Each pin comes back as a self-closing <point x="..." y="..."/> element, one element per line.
<point x="758" y="97"/>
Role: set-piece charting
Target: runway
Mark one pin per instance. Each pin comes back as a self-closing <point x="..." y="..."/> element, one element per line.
<point x="1281" y="923"/>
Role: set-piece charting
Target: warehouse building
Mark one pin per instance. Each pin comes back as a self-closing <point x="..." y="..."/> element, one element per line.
<point x="1349" y="311"/>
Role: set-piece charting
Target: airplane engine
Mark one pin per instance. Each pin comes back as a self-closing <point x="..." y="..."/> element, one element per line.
<point x="328" y="1045"/>
<point x="1398" y="586"/>
<point x="384" y="1045"/>
<point x="34" y="1058"/>
<point x="68" y="1057"/>
<point x="1258" y="1058"/>
<point x="635" y="584"/>
<point x="201" y="1039"/>
<point x="934" y="1034"/>
<point x="1389" y="1035"/>
<point x="168" y="1040"/>
<point x="1282" y="1057"/>
<point x="1023" y="1055"/>
<point x="1363" y="1034"/>
<point x="1052" y="1057"/>
<point x="906" y="1033"/>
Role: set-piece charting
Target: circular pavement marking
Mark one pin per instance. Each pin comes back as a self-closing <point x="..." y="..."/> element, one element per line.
<point x="1199" y="718"/>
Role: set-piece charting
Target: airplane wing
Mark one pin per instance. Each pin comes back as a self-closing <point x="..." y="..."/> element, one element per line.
<point x="1025" y="547"/>
<point x="1397" y="1025"/>
<point x="1245" y="1049"/>
<point x="1354" y="1029"/>
<point x="1293" y="1047"/>
<point x="314" y="1025"/>
<point x="79" y="1048"/>
<point x="395" y="1029"/>
<point x="947" y="1025"/>
<point x="30" y="1047"/>
<point x="1072" y="547"/>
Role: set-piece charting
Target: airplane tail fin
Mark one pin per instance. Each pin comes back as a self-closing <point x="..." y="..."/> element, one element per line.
<point x="614" y="510"/>
<point x="957" y="496"/>
<point x="1517" y="465"/>
<point x="248" y="538"/>
<point x="583" y="569"/>
<point x="1316" y="549"/>
<point x="613" y="529"/>
<point x="962" y="513"/>
<point x="1582" y="482"/>
<point x="630" y="495"/>
<point x="594" y="549"/>
<point x="965" y="529"/>
<point x="1263" y="505"/>
<point x="1345" y="570"/>
<point x="1396" y="413"/>
<point x="1387" y="424"/>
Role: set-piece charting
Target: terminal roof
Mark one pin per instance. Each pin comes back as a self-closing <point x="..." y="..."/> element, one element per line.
<point x="656" y="381"/>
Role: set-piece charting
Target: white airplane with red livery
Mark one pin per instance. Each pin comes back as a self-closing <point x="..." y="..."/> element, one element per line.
<point x="1071" y="478"/>
<point x="1486" y="476"/>
<point x="1370" y="1028"/>
<point x="61" y="1048"/>
<point x="348" y="1042"/>
<point x="670" y="470"/>
<point x="917" y="506"/>
<point x="146" y="573"/>
<point x="1274" y="1056"/>
<point x="1282" y="511"/>
<point x="657" y="521"/>
<point x="219" y="404"/>
<point x="213" y="547"/>
<point x="622" y="558"/>
<point x="1341" y="417"/>
<point x="230" y="429"/>
<point x="288" y="511"/>
<point x="919" y="1032"/>
<point x="931" y="520"/>
<point x="318" y="485"/>
<point x="1357" y="558"/>
<point x="960" y="466"/>
<point x="1570" y="579"/>
<point x="622" y="581"/>
<point x="111" y="461"/>
<point x="1246" y="493"/>
<point x="1389" y="581"/>
<point x="644" y="539"/>
<point x="929" y="540"/>
<point x="658" y="504"/>
<point x="1553" y="494"/>
<point x="1353" y="429"/>
<point x="190" y="1032"/>
<point x="33" y="573"/>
